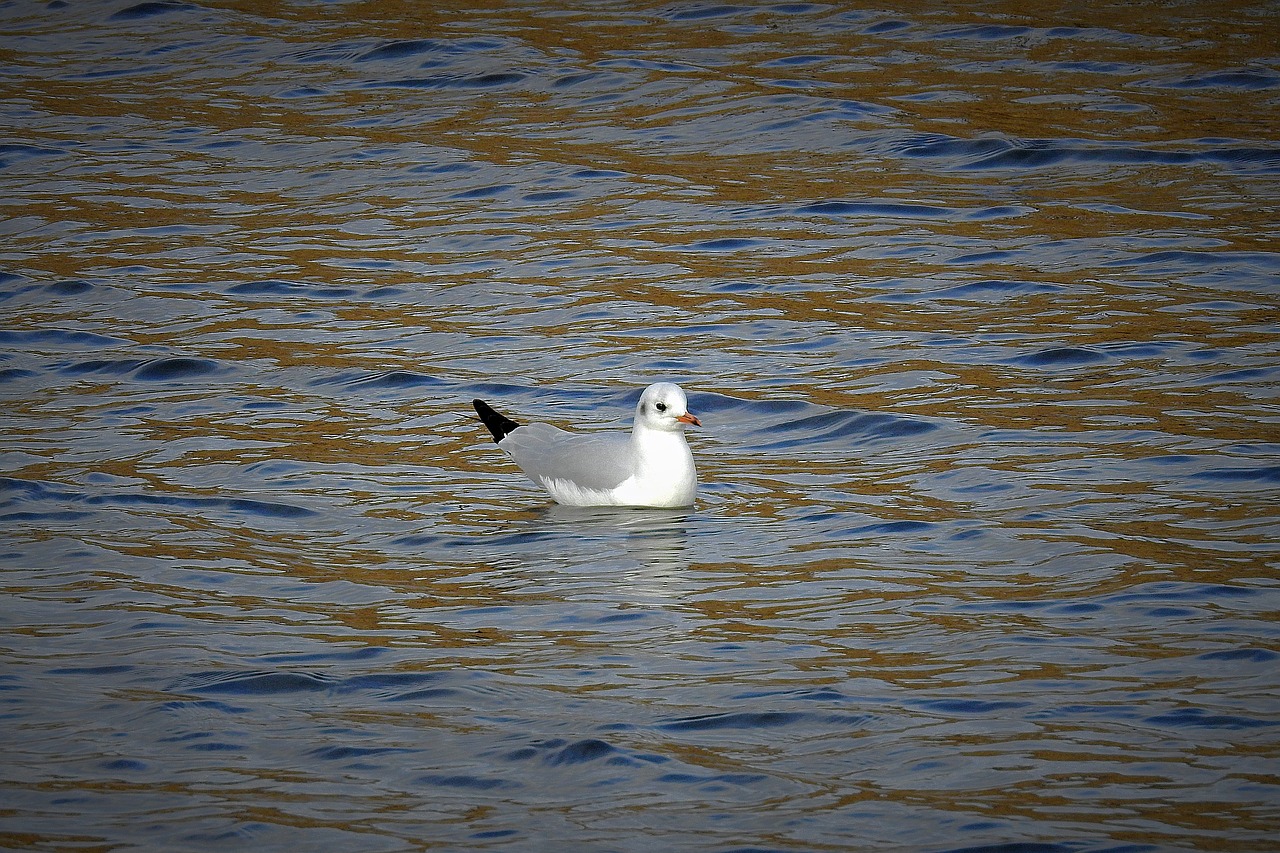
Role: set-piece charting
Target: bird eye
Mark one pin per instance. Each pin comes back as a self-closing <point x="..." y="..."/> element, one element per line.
<point x="661" y="407"/>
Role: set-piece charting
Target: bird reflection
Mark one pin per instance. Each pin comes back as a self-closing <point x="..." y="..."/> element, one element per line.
<point x="655" y="540"/>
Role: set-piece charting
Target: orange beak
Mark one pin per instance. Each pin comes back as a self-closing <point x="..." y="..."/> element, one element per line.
<point x="689" y="419"/>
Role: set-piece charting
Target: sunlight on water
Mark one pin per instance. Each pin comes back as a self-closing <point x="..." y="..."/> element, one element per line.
<point x="977" y="308"/>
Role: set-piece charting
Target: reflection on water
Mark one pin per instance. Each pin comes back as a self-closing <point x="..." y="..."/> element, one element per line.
<point x="657" y="540"/>
<point x="977" y="306"/>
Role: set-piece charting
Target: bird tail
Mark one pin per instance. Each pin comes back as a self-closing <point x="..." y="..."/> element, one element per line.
<point x="499" y="425"/>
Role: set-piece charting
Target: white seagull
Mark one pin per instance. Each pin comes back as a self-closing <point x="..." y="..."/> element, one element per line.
<point x="651" y="468"/>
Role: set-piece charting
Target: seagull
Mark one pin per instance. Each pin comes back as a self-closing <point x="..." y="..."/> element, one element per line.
<point x="651" y="468"/>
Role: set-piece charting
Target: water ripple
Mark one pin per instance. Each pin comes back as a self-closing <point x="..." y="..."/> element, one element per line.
<point x="978" y="314"/>
<point x="141" y="11"/>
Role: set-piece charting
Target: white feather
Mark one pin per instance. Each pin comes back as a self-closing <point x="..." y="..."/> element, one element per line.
<point x="652" y="467"/>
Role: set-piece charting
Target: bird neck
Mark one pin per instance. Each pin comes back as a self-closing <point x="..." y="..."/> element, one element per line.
<point x="658" y="446"/>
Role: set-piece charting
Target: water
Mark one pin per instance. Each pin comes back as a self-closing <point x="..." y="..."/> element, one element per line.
<point x="977" y="307"/>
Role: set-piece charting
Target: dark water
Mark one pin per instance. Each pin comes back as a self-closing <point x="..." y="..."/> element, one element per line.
<point x="977" y="306"/>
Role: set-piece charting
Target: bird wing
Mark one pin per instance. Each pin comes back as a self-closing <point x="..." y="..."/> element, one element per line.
<point x="588" y="461"/>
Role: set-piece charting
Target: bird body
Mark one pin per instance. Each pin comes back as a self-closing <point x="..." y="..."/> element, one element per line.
<point x="653" y="467"/>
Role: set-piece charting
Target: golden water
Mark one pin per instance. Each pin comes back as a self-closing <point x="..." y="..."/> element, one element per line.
<point x="977" y="306"/>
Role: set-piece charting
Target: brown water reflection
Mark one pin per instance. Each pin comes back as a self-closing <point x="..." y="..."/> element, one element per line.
<point x="978" y="307"/>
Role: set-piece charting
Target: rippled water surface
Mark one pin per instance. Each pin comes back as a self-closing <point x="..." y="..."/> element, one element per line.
<point x="978" y="308"/>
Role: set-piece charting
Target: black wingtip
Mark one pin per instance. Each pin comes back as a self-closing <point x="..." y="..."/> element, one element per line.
<point x="499" y="425"/>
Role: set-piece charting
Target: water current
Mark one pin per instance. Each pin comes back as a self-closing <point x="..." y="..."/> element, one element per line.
<point x="977" y="303"/>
